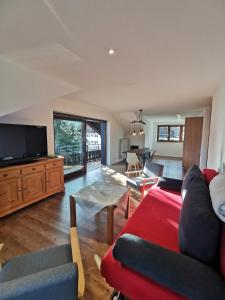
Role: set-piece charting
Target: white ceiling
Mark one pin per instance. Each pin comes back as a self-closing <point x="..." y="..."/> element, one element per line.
<point x="21" y="87"/>
<point x="170" y="54"/>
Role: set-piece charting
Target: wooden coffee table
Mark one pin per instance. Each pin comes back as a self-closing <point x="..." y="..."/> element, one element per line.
<point x="102" y="195"/>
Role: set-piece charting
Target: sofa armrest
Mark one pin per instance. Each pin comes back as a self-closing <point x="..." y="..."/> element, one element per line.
<point x="55" y="283"/>
<point x="170" y="184"/>
<point x="179" y="273"/>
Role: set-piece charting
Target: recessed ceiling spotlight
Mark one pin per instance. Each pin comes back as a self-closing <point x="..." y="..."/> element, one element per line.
<point x="111" y="51"/>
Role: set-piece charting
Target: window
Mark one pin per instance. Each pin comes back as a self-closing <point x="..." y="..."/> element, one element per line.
<point x="170" y="133"/>
<point x="163" y="133"/>
<point x="174" y="133"/>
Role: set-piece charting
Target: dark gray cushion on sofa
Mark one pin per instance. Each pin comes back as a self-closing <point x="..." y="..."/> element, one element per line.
<point x="192" y="173"/>
<point x="170" y="184"/>
<point x="199" y="227"/>
<point x="180" y="273"/>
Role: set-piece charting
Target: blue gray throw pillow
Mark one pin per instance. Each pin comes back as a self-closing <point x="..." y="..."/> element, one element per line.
<point x="199" y="228"/>
<point x="192" y="173"/>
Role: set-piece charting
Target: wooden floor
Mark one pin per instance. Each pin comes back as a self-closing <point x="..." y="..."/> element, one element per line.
<point x="46" y="224"/>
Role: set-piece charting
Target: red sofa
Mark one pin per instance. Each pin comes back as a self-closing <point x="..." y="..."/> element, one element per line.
<point x="155" y="220"/>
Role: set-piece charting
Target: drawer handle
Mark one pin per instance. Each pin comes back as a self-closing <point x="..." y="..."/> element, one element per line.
<point x="5" y="175"/>
<point x="33" y="169"/>
<point x="54" y="164"/>
<point x="3" y="194"/>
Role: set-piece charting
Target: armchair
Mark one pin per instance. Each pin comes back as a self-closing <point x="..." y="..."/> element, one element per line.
<point x="47" y="274"/>
<point x="152" y="156"/>
<point x="146" y="179"/>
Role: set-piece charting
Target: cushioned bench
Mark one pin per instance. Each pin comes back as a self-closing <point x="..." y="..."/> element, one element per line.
<point x="169" y="250"/>
<point x="156" y="220"/>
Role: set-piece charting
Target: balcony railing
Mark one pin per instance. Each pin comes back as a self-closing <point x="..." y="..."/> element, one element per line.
<point x="93" y="152"/>
<point x="73" y="155"/>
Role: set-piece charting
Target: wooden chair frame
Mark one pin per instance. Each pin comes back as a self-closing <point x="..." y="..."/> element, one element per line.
<point x="76" y="255"/>
<point x="145" y="180"/>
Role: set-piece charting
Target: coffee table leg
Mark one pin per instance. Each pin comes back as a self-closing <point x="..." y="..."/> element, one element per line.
<point x="110" y="223"/>
<point x="128" y="205"/>
<point x="73" y="214"/>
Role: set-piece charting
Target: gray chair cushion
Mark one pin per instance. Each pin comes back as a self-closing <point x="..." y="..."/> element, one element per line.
<point x="58" y="283"/>
<point x="150" y="170"/>
<point x="153" y="169"/>
<point x="137" y="182"/>
<point x="34" y="262"/>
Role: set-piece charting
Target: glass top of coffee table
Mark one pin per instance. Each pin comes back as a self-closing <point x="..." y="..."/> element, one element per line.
<point x="98" y="195"/>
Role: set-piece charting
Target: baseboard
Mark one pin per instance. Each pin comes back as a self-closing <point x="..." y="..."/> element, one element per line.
<point x="168" y="157"/>
<point x="118" y="162"/>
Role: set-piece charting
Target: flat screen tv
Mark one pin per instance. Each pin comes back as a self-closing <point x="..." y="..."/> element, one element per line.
<point x="22" y="143"/>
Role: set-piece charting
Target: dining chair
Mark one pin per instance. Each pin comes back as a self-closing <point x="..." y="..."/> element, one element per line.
<point x="152" y="156"/>
<point x="132" y="161"/>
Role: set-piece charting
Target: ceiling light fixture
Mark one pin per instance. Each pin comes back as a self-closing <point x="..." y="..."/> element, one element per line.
<point x="139" y="122"/>
<point x="134" y="132"/>
<point x="111" y="51"/>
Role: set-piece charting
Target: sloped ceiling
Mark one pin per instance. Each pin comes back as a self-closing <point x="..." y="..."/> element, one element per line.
<point x="21" y="87"/>
<point x="170" y="54"/>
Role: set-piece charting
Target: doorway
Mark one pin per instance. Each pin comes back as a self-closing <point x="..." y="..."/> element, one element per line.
<point x="81" y="141"/>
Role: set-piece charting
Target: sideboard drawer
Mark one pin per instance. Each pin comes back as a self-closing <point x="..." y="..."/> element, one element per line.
<point x="54" y="164"/>
<point x="33" y="169"/>
<point x="9" y="174"/>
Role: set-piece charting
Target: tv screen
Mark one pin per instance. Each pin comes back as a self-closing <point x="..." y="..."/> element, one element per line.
<point x="22" y="141"/>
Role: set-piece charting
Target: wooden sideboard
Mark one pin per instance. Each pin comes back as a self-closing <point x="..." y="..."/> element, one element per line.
<point x="25" y="184"/>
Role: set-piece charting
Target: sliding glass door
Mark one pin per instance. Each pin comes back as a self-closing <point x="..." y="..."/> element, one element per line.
<point x="81" y="141"/>
<point x="70" y="141"/>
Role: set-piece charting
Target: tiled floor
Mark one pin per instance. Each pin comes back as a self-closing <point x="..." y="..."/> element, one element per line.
<point x="91" y="165"/>
<point x="172" y="167"/>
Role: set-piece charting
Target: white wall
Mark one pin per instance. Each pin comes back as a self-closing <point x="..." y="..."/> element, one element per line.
<point x="205" y="136"/>
<point x="149" y="133"/>
<point x="162" y="148"/>
<point x="216" y="153"/>
<point x="43" y="115"/>
<point x="169" y="149"/>
<point x="138" y="140"/>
